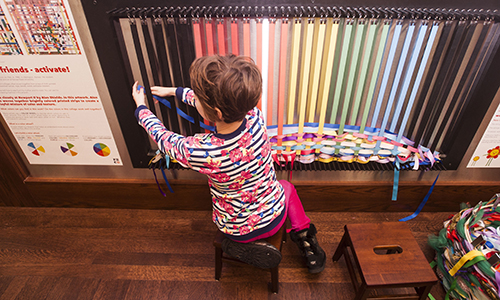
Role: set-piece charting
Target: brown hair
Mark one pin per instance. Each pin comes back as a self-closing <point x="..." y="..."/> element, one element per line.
<point x="233" y="84"/>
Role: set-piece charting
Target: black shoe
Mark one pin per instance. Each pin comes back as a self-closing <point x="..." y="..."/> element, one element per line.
<point x="259" y="253"/>
<point x="314" y="256"/>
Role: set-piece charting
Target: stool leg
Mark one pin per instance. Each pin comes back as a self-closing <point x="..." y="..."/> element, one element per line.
<point x="275" y="280"/>
<point x="423" y="291"/>
<point x="218" y="263"/>
<point x="340" y="248"/>
<point x="362" y="293"/>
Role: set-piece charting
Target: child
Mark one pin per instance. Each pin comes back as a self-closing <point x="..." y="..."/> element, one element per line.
<point x="249" y="203"/>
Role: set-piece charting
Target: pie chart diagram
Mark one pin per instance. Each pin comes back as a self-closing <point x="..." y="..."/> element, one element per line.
<point x="101" y="149"/>
<point x="69" y="149"/>
<point x="35" y="149"/>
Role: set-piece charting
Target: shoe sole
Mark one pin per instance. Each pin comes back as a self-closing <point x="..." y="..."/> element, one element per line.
<point x="258" y="255"/>
<point x="319" y="269"/>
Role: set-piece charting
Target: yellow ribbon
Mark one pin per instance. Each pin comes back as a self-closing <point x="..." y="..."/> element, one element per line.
<point x="317" y="55"/>
<point x="307" y="52"/>
<point x="470" y="255"/>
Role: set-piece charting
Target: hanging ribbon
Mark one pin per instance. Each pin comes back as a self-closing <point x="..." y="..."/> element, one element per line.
<point x="387" y="72"/>
<point x="151" y="164"/>
<point x="294" y="69"/>
<point x="342" y="74"/>
<point x="263" y="54"/>
<point x="160" y="161"/>
<point x="396" y="181"/>
<point x="317" y="55"/>
<point x="271" y="71"/>
<point x="234" y="37"/>
<point x="419" y="209"/>
<point x="332" y="28"/>
<point x="408" y="76"/>
<point x="377" y="68"/>
<point x="355" y="60"/>
<point x="365" y="63"/>
<point x="420" y="73"/>
<point x="165" y="178"/>
<point x="466" y="258"/>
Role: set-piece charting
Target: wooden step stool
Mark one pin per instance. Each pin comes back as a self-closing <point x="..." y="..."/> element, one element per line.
<point x="276" y="240"/>
<point x="386" y="256"/>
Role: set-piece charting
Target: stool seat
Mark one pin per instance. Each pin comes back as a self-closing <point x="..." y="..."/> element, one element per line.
<point x="276" y="240"/>
<point x="386" y="255"/>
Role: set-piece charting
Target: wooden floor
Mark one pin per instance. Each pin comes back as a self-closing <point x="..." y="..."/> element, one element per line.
<point x="73" y="253"/>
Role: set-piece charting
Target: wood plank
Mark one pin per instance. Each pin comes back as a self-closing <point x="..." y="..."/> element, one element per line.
<point x="101" y="218"/>
<point x="49" y="287"/>
<point x="42" y="256"/>
<point x="16" y="285"/>
<point x="77" y="253"/>
<point x="112" y="289"/>
<point x="81" y="289"/>
<point x="30" y="288"/>
<point x="4" y="283"/>
<point x="316" y="196"/>
<point x="144" y="290"/>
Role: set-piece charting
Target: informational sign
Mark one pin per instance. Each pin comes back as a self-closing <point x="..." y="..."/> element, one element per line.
<point x="487" y="154"/>
<point x="48" y="96"/>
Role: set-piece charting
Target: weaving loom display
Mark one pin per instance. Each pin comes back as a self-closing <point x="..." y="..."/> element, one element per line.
<point x="339" y="84"/>
<point x="467" y="252"/>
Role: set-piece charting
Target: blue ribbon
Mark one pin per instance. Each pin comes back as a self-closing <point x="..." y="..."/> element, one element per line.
<point x="416" y="85"/>
<point x="419" y="209"/>
<point x="387" y="72"/>
<point x="165" y="178"/>
<point x="396" y="182"/>
<point x="208" y="127"/>
<point x="185" y="116"/>
<point x="407" y="77"/>
<point x="163" y="101"/>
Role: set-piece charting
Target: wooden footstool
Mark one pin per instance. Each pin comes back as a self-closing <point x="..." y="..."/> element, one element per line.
<point x="386" y="256"/>
<point x="276" y="240"/>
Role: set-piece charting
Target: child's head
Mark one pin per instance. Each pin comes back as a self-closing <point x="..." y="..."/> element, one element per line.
<point x="227" y="87"/>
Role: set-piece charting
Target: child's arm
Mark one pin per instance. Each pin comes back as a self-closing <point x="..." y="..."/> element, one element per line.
<point x="168" y="142"/>
<point x="163" y="92"/>
<point x="186" y="95"/>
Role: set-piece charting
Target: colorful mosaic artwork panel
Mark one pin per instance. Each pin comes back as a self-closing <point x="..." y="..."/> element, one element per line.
<point x="8" y="42"/>
<point x="44" y="26"/>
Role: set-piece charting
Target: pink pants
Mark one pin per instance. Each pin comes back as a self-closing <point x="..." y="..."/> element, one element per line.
<point x="294" y="211"/>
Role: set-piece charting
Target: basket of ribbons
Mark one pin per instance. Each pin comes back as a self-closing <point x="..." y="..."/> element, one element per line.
<point x="468" y="252"/>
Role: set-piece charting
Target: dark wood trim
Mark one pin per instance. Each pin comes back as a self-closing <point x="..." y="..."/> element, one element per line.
<point x="119" y="193"/>
<point x="13" y="172"/>
<point x="315" y="196"/>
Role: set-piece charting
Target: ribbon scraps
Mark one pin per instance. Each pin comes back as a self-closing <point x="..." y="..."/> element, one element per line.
<point x="467" y="252"/>
<point x="162" y="162"/>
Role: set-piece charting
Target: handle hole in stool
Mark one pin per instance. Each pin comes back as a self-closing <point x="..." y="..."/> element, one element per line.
<point x="387" y="249"/>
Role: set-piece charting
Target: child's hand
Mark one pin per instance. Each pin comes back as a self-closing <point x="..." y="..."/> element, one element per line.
<point x="163" y="91"/>
<point x="138" y="95"/>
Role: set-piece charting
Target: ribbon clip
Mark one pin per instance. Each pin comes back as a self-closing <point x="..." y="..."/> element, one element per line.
<point x="478" y="241"/>
<point x="494" y="259"/>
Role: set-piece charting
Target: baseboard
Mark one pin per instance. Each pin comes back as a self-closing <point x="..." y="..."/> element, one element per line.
<point x="195" y="195"/>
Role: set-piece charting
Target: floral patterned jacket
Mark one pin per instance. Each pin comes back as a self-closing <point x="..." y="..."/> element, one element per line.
<point x="245" y="192"/>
